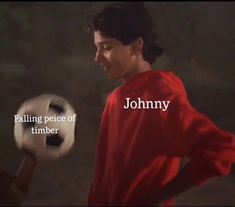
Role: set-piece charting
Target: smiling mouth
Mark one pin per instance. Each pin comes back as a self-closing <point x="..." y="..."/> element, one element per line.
<point x="106" y="68"/>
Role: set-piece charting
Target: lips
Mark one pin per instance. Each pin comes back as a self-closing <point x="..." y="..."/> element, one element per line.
<point x="105" y="67"/>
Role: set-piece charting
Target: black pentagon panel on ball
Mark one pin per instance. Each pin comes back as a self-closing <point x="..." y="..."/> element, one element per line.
<point x="59" y="109"/>
<point x="54" y="140"/>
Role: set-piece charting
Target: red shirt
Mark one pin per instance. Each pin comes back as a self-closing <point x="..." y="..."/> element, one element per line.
<point x="139" y="150"/>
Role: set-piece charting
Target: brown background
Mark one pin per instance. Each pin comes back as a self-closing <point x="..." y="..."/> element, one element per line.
<point x="44" y="48"/>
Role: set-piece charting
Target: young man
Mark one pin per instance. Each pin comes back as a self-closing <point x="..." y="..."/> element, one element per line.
<point x="148" y="123"/>
<point x="14" y="188"/>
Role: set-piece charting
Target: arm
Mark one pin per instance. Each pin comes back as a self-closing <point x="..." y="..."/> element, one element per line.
<point x="16" y="187"/>
<point x="25" y="172"/>
<point x="191" y="134"/>
<point x="181" y="183"/>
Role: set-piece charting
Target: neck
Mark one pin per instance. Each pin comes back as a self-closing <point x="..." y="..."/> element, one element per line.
<point x="141" y="66"/>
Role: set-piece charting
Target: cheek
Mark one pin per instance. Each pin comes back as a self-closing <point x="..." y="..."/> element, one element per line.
<point x="121" y="58"/>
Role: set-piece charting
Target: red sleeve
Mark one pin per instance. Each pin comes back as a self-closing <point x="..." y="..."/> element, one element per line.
<point x="191" y="134"/>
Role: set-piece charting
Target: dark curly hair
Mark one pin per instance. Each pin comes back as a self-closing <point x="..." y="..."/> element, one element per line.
<point x="127" y="21"/>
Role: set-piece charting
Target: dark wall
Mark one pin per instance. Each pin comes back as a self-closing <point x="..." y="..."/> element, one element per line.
<point x="44" y="47"/>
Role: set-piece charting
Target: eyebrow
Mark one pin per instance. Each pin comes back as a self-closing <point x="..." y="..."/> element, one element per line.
<point x="104" y="42"/>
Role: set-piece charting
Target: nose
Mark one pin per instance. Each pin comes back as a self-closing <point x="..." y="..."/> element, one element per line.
<point x="98" y="56"/>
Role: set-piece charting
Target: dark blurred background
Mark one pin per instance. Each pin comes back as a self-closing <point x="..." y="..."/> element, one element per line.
<point x="45" y="48"/>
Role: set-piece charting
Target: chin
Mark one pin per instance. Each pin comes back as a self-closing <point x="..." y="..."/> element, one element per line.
<point x="113" y="77"/>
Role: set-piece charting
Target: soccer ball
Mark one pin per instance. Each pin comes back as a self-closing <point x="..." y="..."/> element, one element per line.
<point x="45" y="126"/>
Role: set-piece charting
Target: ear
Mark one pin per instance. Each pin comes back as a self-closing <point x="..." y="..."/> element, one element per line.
<point x="137" y="46"/>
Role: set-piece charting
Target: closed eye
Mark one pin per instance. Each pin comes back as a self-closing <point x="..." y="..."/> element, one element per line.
<point x="107" y="48"/>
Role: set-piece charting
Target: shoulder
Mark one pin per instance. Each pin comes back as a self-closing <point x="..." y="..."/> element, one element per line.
<point x="110" y="100"/>
<point x="165" y="83"/>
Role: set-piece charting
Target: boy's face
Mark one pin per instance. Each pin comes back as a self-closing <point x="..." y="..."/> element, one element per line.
<point x="116" y="59"/>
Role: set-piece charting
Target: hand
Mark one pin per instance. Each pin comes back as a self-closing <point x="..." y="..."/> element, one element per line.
<point x="25" y="172"/>
<point x="159" y="203"/>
